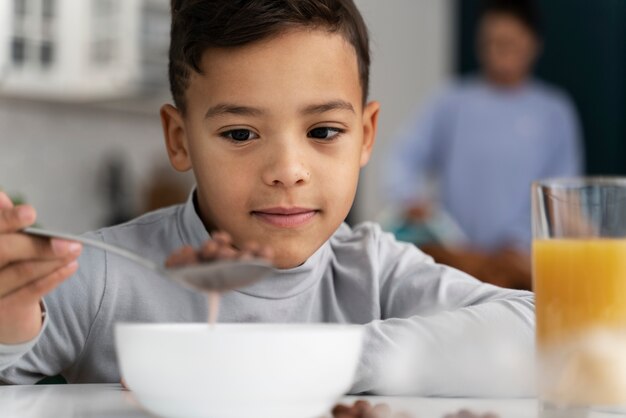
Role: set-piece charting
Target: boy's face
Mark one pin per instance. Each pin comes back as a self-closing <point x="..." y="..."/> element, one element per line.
<point x="507" y="49"/>
<point x="276" y="134"/>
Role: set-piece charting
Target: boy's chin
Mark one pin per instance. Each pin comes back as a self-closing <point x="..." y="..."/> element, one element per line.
<point x="291" y="256"/>
<point x="293" y="251"/>
<point x="289" y="262"/>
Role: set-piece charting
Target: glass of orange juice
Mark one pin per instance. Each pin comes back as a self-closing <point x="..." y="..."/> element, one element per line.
<point x="579" y="279"/>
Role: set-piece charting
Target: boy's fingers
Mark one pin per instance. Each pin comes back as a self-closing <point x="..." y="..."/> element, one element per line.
<point x="219" y="247"/>
<point x="12" y="219"/>
<point x="17" y="275"/>
<point x="178" y="258"/>
<point x="5" y="202"/>
<point x="189" y="256"/>
<point x="226" y="253"/>
<point x="252" y="247"/>
<point x="182" y="256"/>
<point x="209" y="250"/>
<point x="35" y="290"/>
<point x="21" y="247"/>
<point x="258" y="250"/>
<point x="267" y="253"/>
<point x="171" y="261"/>
<point x="174" y="258"/>
<point x="222" y="237"/>
<point x="245" y="255"/>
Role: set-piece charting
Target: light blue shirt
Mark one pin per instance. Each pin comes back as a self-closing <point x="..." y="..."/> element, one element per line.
<point x="486" y="145"/>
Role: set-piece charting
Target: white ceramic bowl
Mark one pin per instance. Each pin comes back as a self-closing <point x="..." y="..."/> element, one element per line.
<point x="238" y="370"/>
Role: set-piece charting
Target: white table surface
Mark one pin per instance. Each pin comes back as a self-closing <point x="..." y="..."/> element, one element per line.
<point x="111" y="401"/>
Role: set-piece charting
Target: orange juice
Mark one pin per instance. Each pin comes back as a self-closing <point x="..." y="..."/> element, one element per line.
<point x="580" y="302"/>
<point x="580" y="284"/>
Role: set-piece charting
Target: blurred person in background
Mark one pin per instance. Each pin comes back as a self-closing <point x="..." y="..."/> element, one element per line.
<point x="483" y="140"/>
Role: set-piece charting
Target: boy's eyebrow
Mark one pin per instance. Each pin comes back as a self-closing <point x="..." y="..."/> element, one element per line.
<point x="328" y="106"/>
<point x="228" y="108"/>
<point x="233" y="109"/>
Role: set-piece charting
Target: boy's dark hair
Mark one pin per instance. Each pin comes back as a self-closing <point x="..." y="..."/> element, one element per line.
<point x="526" y="11"/>
<point x="201" y="24"/>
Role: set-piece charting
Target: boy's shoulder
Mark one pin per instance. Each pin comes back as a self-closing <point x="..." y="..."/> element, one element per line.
<point x="369" y="239"/>
<point x="374" y="256"/>
<point x="159" y="231"/>
<point x="362" y="233"/>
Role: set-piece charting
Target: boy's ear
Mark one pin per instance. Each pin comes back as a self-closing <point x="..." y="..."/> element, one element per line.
<point x="175" y="138"/>
<point x="370" y="125"/>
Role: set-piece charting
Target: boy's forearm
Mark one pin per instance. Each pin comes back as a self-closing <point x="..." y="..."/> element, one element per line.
<point x="481" y="350"/>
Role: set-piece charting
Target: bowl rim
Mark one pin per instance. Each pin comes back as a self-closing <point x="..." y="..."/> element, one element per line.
<point x="238" y="327"/>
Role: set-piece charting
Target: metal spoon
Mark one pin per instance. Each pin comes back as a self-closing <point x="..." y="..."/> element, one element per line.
<point x="213" y="276"/>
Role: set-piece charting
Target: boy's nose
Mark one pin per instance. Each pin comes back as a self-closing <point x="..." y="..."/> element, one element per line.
<point x="285" y="169"/>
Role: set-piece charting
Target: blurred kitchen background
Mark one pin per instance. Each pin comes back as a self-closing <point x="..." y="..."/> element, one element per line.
<point x="81" y="82"/>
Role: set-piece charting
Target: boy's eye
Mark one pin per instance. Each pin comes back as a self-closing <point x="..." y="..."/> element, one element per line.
<point x="239" y="135"/>
<point x="324" y="132"/>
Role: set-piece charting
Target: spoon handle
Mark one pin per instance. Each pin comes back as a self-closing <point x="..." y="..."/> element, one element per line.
<point x="94" y="243"/>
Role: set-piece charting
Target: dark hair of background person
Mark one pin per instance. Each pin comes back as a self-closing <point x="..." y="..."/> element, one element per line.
<point x="201" y="24"/>
<point x="583" y="53"/>
<point x="525" y="11"/>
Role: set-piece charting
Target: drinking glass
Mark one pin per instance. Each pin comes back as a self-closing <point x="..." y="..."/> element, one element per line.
<point x="579" y="279"/>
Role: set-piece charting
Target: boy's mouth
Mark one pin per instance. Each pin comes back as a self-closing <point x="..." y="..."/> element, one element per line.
<point x="283" y="217"/>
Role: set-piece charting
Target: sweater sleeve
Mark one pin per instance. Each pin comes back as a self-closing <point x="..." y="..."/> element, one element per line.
<point x="70" y="312"/>
<point x="444" y="333"/>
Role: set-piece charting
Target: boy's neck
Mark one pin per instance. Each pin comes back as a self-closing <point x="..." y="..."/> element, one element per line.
<point x="209" y="226"/>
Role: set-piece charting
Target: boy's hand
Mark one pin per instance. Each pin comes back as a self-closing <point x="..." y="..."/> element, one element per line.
<point x="29" y="268"/>
<point x="220" y="247"/>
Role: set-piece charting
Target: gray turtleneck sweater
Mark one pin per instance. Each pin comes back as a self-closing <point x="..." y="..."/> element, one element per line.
<point x="429" y="329"/>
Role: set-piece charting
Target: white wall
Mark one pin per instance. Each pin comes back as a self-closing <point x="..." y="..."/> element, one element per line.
<point x="6" y="28"/>
<point x="53" y="156"/>
<point x="411" y="42"/>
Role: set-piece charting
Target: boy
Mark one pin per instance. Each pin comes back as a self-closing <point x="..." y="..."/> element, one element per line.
<point x="272" y="117"/>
